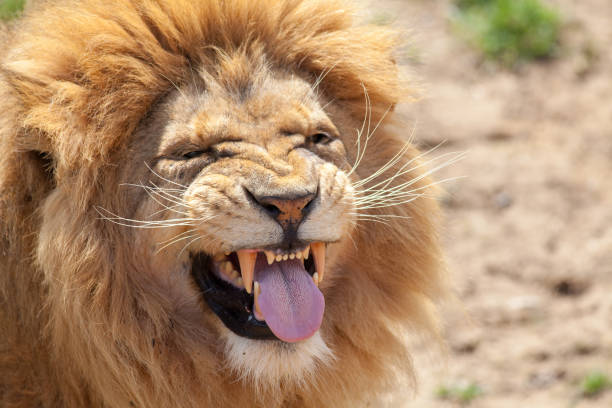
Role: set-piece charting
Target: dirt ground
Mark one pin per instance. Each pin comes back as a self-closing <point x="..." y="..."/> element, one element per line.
<point x="529" y="228"/>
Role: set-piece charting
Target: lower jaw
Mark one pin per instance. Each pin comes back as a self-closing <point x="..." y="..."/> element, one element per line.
<point x="231" y="304"/>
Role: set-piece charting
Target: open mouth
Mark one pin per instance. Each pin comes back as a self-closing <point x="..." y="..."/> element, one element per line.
<point x="265" y="294"/>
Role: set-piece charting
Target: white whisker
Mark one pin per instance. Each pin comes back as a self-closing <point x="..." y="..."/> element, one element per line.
<point x="177" y="240"/>
<point x="176" y="190"/>
<point x="394" y="160"/>
<point x="128" y="222"/>
<point x="163" y="194"/>
<point x="189" y="231"/>
<point x="388" y="203"/>
<point x="165" y="179"/>
<point x="322" y="76"/>
<point x="168" y="208"/>
<point x="174" y="85"/>
<point x="379" y="195"/>
<point x="153" y="193"/>
<point x="189" y="243"/>
<point x="401" y="193"/>
<point x="366" y="119"/>
<point x="328" y="103"/>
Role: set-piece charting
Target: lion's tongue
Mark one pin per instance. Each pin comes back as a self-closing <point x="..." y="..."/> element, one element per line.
<point x="290" y="302"/>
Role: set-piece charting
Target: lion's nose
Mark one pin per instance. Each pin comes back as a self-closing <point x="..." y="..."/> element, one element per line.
<point x="288" y="212"/>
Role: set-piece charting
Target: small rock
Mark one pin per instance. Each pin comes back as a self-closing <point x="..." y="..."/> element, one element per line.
<point x="569" y="287"/>
<point x="544" y="379"/>
<point x="466" y="344"/>
<point x="524" y="308"/>
<point x="503" y="200"/>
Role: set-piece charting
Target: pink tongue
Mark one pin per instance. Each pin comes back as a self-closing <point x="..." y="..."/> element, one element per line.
<point x="290" y="301"/>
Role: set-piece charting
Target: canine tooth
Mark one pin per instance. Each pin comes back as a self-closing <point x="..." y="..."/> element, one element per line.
<point x="291" y="256"/>
<point x="315" y="278"/>
<point x="318" y="252"/>
<point x="306" y="252"/>
<point x="258" y="315"/>
<point x="247" y="267"/>
<point x="285" y="257"/>
<point x="270" y="256"/>
<point x="279" y="258"/>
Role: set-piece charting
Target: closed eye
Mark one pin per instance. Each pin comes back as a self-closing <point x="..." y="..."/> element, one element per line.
<point x="193" y="154"/>
<point x="214" y="152"/>
<point x="320" y="138"/>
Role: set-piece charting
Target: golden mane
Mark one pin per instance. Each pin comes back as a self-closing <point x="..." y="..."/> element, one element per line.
<point x="76" y="80"/>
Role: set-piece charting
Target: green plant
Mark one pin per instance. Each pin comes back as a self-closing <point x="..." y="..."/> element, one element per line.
<point x="595" y="383"/>
<point x="510" y="30"/>
<point x="444" y="392"/>
<point x="382" y="19"/>
<point x="10" y="8"/>
<point x="462" y="393"/>
<point x="463" y="4"/>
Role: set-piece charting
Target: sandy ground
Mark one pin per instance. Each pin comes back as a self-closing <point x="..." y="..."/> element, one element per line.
<point x="529" y="229"/>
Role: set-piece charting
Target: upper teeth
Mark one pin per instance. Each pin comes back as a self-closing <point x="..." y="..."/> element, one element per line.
<point x="248" y="257"/>
<point x="273" y="256"/>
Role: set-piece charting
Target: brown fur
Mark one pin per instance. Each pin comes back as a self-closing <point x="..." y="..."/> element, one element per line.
<point x="85" y="89"/>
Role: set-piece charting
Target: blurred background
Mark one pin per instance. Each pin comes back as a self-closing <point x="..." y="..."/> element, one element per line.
<point x="524" y="88"/>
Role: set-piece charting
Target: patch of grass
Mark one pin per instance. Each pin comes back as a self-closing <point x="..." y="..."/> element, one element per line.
<point x="382" y="19"/>
<point x="10" y="9"/>
<point x="510" y="31"/>
<point x="463" y="4"/>
<point x="462" y="393"/>
<point x="595" y="383"/>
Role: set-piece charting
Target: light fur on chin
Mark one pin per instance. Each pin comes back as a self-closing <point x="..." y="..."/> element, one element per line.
<point x="267" y="364"/>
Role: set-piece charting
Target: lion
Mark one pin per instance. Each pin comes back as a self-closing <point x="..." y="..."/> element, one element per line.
<point x="209" y="204"/>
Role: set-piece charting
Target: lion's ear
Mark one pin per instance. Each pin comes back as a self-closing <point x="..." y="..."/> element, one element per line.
<point x="35" y="159"/>
<point x="45" y="165"/>
<point x="26" y="179"/>
<point x="37" y="170"/>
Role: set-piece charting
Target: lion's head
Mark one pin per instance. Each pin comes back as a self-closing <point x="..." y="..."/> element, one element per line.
<point x="206" y="203"/>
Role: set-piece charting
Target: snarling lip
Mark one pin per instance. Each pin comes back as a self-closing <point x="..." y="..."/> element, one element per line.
<point x="264" y="294"/>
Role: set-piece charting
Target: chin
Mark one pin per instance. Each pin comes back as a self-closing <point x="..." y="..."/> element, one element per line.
<point x="268" y="364"/>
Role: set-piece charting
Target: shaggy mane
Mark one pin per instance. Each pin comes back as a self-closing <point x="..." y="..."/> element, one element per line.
<point x="76" y="79"/>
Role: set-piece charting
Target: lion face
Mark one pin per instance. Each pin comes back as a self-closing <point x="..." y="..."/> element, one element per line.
<point x="246" y="192"/>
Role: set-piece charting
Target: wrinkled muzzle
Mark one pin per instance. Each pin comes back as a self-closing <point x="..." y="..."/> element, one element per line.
<point x="264" y="258"/>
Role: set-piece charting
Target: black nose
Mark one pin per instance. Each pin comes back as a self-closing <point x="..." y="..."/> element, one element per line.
<point x="287" y="211"/>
